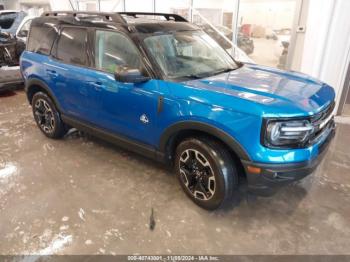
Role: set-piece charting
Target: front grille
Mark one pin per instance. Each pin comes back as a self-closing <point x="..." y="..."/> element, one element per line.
<point x="323" y="114"/>
<point x="318" y="120"/>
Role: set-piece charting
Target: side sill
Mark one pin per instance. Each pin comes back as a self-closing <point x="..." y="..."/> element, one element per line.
<point x="120" y="141"/>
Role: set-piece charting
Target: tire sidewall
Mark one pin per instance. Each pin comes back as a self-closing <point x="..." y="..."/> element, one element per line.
<point x="222" y="172"/>
<point x="58" y="122"/>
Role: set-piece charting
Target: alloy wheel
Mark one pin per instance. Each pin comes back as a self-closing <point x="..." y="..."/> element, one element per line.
<point x="197" y="174"/>
<point x="44" y="116"/>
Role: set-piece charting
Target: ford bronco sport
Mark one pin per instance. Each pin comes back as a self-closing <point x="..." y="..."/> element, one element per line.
<point x="165" y="89"/>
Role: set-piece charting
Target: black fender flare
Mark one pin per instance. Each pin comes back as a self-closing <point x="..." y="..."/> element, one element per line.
<point x="30" y="83"/>
<point x="203" y="127"/>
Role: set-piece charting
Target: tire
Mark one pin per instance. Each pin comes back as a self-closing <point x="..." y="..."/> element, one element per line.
<point x="47" y="117"/>
<point x="206" y="172"/>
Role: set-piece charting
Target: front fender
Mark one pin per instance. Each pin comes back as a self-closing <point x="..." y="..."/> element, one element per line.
<point x="206" y="128"/>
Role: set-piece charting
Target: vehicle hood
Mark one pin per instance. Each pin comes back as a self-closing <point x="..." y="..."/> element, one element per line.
<point x="264" y="91"/>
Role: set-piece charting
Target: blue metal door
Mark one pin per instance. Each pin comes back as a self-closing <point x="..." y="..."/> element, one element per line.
<point x="128" y="109"/>
<point x="76" y="88"/>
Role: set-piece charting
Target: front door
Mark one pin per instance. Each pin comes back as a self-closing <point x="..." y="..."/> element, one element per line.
<point x="126" y="109"/>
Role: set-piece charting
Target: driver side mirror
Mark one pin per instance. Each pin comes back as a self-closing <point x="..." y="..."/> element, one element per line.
<point x="125" y="74"/>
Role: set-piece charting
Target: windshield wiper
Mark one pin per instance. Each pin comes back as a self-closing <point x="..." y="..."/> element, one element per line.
<point x="226" y="70"/>
<point x="208" y="74"/>
<point x="213" y="73"/>
<point x="193" y="76"/>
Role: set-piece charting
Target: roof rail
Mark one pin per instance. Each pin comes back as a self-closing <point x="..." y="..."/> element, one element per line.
<point x="169" y="17"/>
<point x="115" y="17"/>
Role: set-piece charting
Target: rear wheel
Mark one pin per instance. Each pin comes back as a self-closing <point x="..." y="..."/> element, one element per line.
<point x="206" y="172"/>
<point x="47" y="117"/>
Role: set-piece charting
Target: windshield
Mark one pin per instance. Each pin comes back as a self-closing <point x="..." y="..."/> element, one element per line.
<point x="189" y="54"/>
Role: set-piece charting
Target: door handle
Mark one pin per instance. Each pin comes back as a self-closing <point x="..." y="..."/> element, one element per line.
<point x="52" y="73"/>
<point x="97" y="85"/>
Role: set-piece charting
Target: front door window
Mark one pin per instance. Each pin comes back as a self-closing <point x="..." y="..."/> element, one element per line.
<point x="113" y="49"/>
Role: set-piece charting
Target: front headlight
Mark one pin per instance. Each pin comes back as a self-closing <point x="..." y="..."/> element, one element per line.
<point x="289" y="133"/>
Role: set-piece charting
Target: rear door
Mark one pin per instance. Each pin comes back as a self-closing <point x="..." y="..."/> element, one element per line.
<point x="75" y="83"/>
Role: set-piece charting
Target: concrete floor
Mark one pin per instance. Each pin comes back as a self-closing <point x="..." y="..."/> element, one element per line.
<point x="82" y="196"/>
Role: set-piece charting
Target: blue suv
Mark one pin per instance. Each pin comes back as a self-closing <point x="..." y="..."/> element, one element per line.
<point x="158" y="85"/>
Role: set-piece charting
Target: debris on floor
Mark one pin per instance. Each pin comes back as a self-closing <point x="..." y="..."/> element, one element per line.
<point x="152" y="223"/>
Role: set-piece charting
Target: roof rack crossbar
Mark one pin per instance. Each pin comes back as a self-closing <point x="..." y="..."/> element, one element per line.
<point x="115" y="17"/>
<point x="169" y="17"/>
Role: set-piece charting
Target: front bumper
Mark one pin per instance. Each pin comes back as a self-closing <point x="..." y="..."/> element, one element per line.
<point x="265" y="179"/>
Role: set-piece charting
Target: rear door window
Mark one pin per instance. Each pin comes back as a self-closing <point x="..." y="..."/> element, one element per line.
<point x="41" y="39"/>
<point x="72" y="46"/>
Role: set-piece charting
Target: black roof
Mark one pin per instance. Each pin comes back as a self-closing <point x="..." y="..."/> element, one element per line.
<point x="134" y="22"/>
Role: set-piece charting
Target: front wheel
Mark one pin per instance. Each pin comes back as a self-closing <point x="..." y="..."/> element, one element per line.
<point x="206" y="172"/>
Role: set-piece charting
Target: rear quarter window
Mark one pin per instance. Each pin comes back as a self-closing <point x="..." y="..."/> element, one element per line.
<point x="41" y="38"/>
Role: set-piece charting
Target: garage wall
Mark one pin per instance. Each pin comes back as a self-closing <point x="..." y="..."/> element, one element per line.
<point x="60" y="5"/>
<point x="105" y="5"/>
<point x="112" y="5"/>
<point x="10" y="4"/>
<point x="137" y="5"/>
<point x="298" y="36"/>
<point x="327" y="42"/>
<point x="269" y="14"/>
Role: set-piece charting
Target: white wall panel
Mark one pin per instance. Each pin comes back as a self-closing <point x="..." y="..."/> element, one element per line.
<point x="137" y="5"/>
<point x="63" y="5"/>
<point x="167" y="6"/>
<point x="326" y="52"/>
<point x="271" y="14"/>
